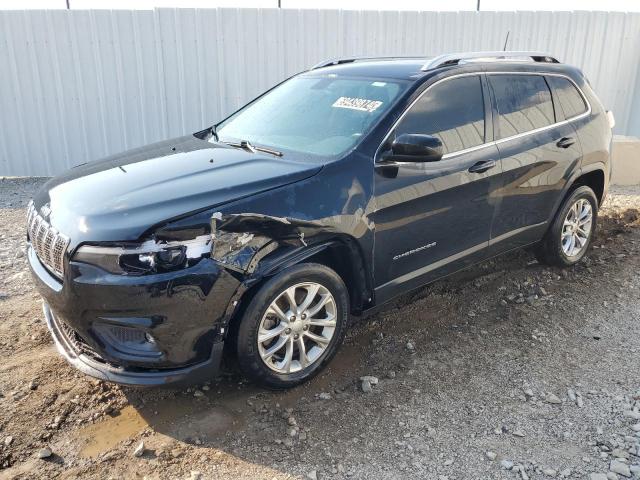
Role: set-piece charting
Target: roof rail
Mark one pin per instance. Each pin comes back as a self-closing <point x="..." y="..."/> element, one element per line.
<point x="469" y="57"/>
<point x="340" y="61"/>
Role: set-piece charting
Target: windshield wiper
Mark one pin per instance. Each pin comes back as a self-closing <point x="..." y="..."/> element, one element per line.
<point x="245" y="145"/>
<point x="214" y="132"/>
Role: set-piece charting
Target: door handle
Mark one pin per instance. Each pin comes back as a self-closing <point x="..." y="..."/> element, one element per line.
<point x="565" y="142"/>
<point x="482" y="166"/>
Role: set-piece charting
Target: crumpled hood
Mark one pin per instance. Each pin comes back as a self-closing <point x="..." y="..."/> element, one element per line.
<point x="121" y="197"/>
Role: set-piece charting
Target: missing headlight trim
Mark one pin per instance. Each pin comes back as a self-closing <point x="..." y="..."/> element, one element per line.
<point x="194" y="248"/>
<point x="148" y="256"/>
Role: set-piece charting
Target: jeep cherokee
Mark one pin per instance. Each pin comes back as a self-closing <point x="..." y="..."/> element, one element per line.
<point x="327" y="196"/>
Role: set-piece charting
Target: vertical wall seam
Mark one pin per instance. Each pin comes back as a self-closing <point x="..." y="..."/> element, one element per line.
<point x="157" y="30"/>
<point x="38" y="93"/>
<point x="139" y="74"/>
<point x="18" y="97"/>
<point x="97" y="60"/>
<point x="117" y="48"/>
<point x="73" y="39"/>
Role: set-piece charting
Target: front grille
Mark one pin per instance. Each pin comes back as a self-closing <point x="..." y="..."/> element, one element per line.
<point x="49" y="244"/>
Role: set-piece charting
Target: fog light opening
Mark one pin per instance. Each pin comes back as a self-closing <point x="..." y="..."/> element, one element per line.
<point x="127" y="342"/>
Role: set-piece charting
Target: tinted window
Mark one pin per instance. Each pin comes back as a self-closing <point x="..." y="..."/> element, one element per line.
<point x="452" y="110"/>
<point x="524" y="103"/>
<point x="571" y="101"/>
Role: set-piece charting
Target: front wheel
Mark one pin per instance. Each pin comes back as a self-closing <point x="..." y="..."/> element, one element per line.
<point x="293" y="326"/>
<point x="572" y="230"/>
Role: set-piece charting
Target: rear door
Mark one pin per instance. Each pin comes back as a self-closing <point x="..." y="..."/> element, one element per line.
<point x="538" y="152"/>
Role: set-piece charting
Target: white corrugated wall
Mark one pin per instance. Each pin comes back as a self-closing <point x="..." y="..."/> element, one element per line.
<point x="78" y="85"/>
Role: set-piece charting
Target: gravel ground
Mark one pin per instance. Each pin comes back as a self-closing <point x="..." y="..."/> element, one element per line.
<point x="509" y="370"/>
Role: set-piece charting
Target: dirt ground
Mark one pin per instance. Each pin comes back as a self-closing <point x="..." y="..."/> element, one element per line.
<point x="509" y="370"/>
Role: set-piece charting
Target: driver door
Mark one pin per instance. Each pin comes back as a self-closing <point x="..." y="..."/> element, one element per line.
<point x="432" y="218"/>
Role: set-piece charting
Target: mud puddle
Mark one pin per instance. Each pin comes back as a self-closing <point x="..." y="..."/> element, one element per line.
<point x="102" y="436"/>
<point x="185" y="419"/>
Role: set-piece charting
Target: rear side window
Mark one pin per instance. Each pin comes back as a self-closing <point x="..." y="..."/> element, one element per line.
<point x="524" y="103"/>
<point x="571" y="101"/>
<point x="452" y="110"/>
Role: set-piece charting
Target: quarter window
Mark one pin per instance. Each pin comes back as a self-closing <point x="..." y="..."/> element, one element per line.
<point x="524" y="103"/>
<point x="452" y="110"/>
<point x="571" y="101"/>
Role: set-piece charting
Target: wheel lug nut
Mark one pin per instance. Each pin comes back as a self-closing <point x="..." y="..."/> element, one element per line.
<point x="287" y="331"/>
<point x="293" y="318"/>
<point x="306" y="327"/>
<point x="304" y="316"/>
<point x="295" y="336"/>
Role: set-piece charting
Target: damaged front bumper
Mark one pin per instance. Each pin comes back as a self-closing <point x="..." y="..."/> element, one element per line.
<point x="148" y="330"/>
<point x="89" y="365"/>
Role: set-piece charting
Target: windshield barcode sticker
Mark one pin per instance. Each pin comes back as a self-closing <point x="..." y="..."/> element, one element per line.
<point x="361" y="104"/>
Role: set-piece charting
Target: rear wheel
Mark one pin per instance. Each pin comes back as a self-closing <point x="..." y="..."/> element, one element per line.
<point x="293" y="326"/>
<point x="572" y="230"/>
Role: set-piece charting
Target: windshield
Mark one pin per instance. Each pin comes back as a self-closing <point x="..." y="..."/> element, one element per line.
<point x="313" y="115"/>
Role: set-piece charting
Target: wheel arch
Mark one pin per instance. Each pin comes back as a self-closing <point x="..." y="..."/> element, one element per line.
<point x="341" y="253"/>
<point x="594" y="177"/>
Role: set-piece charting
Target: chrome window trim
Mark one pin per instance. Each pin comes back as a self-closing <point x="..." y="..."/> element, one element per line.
<point x="493" y="142"/>
<point x="468" y="150"/>
<point x="553" y="125"/>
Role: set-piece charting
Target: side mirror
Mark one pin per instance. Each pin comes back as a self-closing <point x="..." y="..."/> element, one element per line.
<point x="414" y="147"/>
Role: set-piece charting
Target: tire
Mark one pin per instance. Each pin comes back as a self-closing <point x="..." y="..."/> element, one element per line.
<point x="551" y="250"/>
<point x="261" y="316"/>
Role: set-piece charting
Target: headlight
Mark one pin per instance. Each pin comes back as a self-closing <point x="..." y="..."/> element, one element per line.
<point x="147" y="257"/>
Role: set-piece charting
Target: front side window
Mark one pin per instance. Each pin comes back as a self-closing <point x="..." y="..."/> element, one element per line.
<point x="314" y="115"/>
<point x="452" y="110"/>
<point x="524" y="103"/>
<point x="571" y="101"/>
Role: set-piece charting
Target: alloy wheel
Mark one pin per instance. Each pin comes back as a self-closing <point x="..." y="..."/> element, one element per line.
<point x="297" y="327"/>
<point x="576" y="228"/>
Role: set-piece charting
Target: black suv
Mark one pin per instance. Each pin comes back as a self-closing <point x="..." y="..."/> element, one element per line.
<point x="328" y="195"/>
